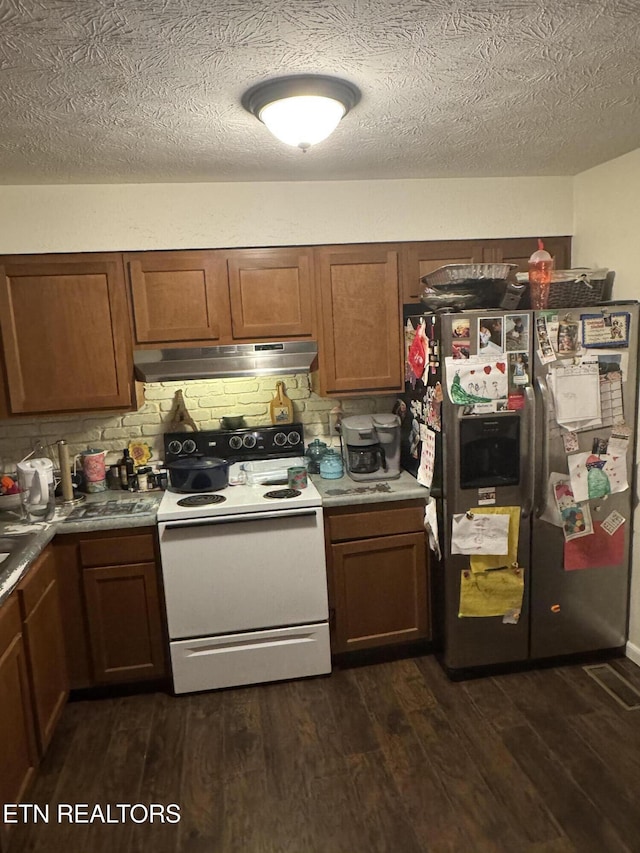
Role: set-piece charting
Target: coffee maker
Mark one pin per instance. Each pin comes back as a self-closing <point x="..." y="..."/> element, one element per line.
<point x="371" y="446"/>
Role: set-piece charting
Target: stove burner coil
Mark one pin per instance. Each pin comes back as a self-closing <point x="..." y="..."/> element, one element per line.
<point x="281" y="494"/>
<point x="201" y="500"/>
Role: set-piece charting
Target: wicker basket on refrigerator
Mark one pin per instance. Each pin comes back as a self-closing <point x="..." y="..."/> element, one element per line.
<point x="577" y="287"/>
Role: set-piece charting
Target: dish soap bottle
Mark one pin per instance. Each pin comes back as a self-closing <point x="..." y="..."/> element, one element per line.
<point x="540" y="272"/>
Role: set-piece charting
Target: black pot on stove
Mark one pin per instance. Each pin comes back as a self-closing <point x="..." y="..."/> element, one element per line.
<point x="198" y="474"/>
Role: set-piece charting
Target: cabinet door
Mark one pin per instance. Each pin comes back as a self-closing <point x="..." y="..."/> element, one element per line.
<point x="44" y="644"/>
<point x="17" y="741"/>
<point x="65" y="333"/>
<point x="125" y="629"/>
<point x="519" y="250"/>
<point x="72" y="606"/>
<point x="179" y="296"/>
<point x="270" y="292"/>
<point x="359" y="308"/>
<point x="379" y="592"/>
<point x="419" y="259"/>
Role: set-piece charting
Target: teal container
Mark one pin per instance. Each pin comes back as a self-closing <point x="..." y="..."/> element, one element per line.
<point x="331" y="467"/>
<point x="315" y="451"/>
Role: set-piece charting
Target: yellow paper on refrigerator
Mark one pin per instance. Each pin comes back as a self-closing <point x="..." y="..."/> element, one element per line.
<point x="493" y="593"/>
<point x="484" y="562"/>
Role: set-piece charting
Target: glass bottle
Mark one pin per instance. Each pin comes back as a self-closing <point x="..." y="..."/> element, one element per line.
<point x="127" y="466"/>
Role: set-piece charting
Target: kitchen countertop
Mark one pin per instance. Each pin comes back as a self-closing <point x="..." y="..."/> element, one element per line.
<point x="112" y="510"/>
<point x="37" y="536"/>
<point x="346" y="491"/>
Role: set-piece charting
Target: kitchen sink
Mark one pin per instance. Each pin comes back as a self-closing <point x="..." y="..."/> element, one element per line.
<point x="15" y="542"/>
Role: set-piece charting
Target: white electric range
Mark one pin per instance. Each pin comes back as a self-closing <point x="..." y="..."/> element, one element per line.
<point x="244" y="568"/>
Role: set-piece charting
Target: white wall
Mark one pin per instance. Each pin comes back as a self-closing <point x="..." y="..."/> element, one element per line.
<point x="606" y="229"/>
<point x="87" y="218"/>
<point x="607" y="221"/>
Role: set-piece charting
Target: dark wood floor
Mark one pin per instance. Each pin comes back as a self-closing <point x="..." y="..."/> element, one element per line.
<point x="389" y="757"/>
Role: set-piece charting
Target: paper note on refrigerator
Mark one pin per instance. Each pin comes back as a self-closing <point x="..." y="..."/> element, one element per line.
<point x="576" y="394"/>
<point x="551" y="513"/>
<point x="476" y="380"/>
<point x="484" y="562"/>
<point x="427" y="458"/>
<point x="491" y="593"/>
<point x="597" y="476"/>
<point x="576" y="517"/>
<point x="479" y="533"/>
<point x="595" y="552"/>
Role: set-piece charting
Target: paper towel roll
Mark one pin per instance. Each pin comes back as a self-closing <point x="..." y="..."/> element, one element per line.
<point x="65" y="470"/>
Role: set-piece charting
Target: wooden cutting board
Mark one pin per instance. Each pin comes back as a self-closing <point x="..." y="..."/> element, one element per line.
<point x="281" y="407"/>
<point x="179" y="418"/>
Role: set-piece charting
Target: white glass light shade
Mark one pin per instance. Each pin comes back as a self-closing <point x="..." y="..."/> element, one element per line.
<point x="304" y="120"/>
<point x="302" y="109"/>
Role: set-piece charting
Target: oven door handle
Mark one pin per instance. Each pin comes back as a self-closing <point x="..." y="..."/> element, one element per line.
<point x="256" y="516"/>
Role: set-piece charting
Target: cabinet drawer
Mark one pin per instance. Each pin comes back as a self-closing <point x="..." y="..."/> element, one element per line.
<point x="122" y="550"/>
<point x="366" y="524"/>
<point x="37" y="580"/>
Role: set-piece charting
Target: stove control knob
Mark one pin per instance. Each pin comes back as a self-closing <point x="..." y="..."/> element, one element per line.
<point x="280" y="439"/>
<point x="294" y="437"/>
<point x="249" y="441"/>
<point x="235" y="442"/>
<point x="189" y="446"/>
<point x="174" y="447"/>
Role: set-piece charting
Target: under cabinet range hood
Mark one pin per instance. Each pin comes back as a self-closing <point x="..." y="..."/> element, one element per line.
<point x="163" y="365"/>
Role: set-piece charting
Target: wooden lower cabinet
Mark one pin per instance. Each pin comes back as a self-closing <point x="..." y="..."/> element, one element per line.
<point x="44" y="644"/>
<point x="123" y="615"/>
<point x="378" y="575"/>
<point x="114" y="627"/>
<point x="18" y="753"/>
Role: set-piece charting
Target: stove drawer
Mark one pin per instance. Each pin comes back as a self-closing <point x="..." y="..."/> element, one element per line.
<point x="251" y="657"/>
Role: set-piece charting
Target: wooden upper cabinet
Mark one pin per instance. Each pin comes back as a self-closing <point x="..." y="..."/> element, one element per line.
<point x="270" y="292"/>
<point x="65" y="333"/>
<point x="179" y="296"/>
<point x="359" y="308"/>
<point x="419" y="259"/>
<point x="519" y="250"/>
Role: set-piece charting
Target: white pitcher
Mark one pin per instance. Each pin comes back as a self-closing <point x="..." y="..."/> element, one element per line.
<point x="37" y="489"/>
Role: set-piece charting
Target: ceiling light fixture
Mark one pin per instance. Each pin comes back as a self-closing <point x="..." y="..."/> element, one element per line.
<point x="303" y="109"/>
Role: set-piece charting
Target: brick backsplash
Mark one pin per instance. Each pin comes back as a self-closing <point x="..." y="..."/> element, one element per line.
<point x="206" y="400"/>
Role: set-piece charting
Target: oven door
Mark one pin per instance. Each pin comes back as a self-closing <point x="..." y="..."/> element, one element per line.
<point x="243" y="572"/>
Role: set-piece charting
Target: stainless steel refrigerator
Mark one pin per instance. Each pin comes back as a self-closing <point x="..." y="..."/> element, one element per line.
<point x="512" y="452"/>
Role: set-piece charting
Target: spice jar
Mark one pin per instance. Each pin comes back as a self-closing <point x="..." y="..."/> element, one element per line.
<point x="143" y="478"/>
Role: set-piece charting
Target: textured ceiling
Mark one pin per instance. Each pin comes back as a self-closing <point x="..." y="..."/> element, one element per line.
<point x="115" y="91"/>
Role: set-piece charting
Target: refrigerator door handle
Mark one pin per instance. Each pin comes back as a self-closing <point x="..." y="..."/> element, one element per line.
<point x="530" y="468"/>
<point x="543" y="469"/>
